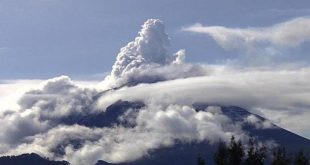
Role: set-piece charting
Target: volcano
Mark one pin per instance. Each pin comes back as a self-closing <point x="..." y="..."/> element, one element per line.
<point x="152" y="109"/>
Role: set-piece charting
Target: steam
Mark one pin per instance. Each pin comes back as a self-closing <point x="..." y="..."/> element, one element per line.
<point x="146" y="59"/>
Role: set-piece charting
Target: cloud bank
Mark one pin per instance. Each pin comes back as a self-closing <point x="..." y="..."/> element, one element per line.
<point x="12" y="90"/>
<point x="40" y="125"/>
<point x="279" y="90"/>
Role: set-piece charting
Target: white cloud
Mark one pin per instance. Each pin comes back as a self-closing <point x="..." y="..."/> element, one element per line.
<point x="293" y="120"/>
<point x="275" y="91"/>
<point x="252" y="87"/>
<point x="10" y="91"/>
<point x="179" y="57"/>
<point x="259" y="123"/>
<point x="292" y="33"/>
<point x="156" y="126"/>
<point x="37" y="126"/>
<point x="59" y="97"/>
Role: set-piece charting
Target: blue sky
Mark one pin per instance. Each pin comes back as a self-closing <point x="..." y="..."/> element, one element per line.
<point x="47" y="38"/>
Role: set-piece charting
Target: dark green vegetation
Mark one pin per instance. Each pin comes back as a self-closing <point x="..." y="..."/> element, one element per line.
<point x="253" y="154"/>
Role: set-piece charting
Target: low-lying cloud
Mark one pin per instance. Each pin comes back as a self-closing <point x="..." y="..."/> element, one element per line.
<point x="286" y="89"/>
<point x="38" y="126"/>
<point x="167" y="117"/>
<point x="157" y="126"/>
<point x="284" y="93"/>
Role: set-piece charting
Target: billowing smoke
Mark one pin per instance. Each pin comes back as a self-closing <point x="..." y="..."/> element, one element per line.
<point x="150" y="47"/>
<point x="146" y="59"/>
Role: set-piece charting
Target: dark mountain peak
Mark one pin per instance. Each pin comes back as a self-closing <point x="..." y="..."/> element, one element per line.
<point x="29" y="159"/>
<point x="111" y="115"/>
<point x="233" y="112"/>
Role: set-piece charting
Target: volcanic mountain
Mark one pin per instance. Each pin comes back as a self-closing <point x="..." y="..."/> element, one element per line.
<point x="152" y="109"/>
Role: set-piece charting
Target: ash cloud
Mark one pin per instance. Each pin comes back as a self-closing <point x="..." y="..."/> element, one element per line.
<point x="147" y="60"/>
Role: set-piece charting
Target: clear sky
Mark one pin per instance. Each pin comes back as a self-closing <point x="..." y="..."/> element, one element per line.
<point x="47" y="38"/>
